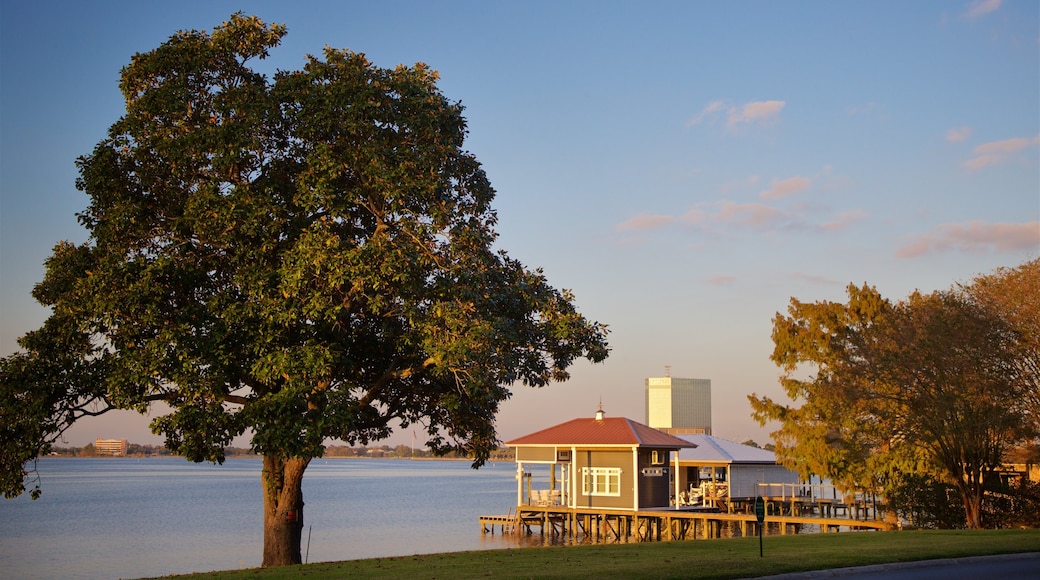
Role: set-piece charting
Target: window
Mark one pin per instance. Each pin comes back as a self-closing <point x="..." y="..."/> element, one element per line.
<point x="601" y="481"/>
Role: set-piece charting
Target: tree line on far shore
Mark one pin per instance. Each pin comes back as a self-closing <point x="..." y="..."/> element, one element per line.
<point x="332" y="451"/>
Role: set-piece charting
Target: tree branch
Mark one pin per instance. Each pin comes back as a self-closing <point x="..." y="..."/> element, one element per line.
<point x="390" y="375"/>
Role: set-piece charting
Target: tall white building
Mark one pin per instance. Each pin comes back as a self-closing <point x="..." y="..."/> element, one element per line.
<point x="679" y="406"/>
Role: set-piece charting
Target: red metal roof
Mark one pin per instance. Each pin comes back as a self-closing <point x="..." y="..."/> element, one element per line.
<point x="606" y="431"/>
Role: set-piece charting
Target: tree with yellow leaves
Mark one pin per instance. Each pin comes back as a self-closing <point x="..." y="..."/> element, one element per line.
<point x="941" y="383"/>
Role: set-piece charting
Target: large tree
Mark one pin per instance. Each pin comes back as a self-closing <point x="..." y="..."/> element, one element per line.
<point x="947" y="378"/>
<point x="832" y="432"/>
<point x="1013" y="296"/>
<point x="938" y="384"/>
<point x="300" y="259"/>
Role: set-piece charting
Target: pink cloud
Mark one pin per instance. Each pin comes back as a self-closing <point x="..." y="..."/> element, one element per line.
<point x="754" y="111"/>
<point x="996" y="152"/>
<point x="980" y="8"/>
<point x="726" y="217"/>
<point x="710" y="109"/>
<point x="976" y="163"/>
<point x="753" y="214"/>
<point x="974" y="236"/>
<point x="722" y="280"/>
<point x="786" y="188"/>
<point x="643" y="222"/>
<point x="958" y="135"/>
<point x="696" y="215"/>
<point x="1005" y="147"/>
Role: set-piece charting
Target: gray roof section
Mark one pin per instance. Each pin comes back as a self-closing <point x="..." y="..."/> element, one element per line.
<point x="715" y="450"/>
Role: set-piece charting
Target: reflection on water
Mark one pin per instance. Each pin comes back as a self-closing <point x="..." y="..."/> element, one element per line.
<point x="607" y="535"/>
<point x="111" y="518"/>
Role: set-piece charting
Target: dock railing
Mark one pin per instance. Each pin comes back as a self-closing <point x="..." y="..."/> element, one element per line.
<point x="800" y="491"/>
<point x="827" y="497"/>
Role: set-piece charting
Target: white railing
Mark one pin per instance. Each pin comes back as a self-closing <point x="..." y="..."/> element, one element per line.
<point x="811" y="491"/>
<point x="822" y="494"/>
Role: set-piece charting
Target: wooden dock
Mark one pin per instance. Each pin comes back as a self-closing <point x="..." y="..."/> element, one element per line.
<point x="594" y="524"/>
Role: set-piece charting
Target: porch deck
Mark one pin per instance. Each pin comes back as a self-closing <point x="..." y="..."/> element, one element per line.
<point x="653" y="525"/>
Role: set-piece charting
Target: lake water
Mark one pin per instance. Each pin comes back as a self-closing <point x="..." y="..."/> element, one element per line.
<point x="133" y="518"/>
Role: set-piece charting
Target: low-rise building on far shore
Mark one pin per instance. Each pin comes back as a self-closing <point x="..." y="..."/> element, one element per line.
<point x="113" y="447"/>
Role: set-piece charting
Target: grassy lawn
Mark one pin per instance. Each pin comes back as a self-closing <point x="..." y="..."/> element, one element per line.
<point x="726" y="558"/>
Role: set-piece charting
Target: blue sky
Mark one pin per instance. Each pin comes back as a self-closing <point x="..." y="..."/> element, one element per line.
<point x="685" y="167"/>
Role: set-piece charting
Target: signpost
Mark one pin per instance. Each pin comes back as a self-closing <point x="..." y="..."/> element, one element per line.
<point x="760" y="515"/>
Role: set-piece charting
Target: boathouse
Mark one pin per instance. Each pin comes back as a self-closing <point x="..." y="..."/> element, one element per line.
<point x="597" y="463"/>
<point x="716" y="472"/>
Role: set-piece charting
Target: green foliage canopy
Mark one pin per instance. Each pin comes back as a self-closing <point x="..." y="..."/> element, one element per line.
<point x="303" y="258"/>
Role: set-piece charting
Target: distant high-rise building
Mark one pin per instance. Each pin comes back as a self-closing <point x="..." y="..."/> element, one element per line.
<point x="678" y="406"/>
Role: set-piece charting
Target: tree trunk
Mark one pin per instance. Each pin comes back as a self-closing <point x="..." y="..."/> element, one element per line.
<point x="972" y="513"/>
<point x="283" y="509"/>
<point x="970" y="488"/>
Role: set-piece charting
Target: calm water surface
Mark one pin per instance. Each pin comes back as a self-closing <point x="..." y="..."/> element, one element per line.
<point x="133" y="518"/>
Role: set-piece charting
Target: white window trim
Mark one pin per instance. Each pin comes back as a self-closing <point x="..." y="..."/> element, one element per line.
<point x="593" y="478"/>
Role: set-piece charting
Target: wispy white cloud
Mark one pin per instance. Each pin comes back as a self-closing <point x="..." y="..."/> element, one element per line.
<point x="709" y="110"/>
<point x="735" y="115"/>
<point x="996" y="152"/>
<point x="786" y="187"/>
<point x="958" y="134"/>
<point x="730" y="216"/>
<point x="973" y="236"/>
<point x="980" y="8"/>
<point x="757" y="111"/>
